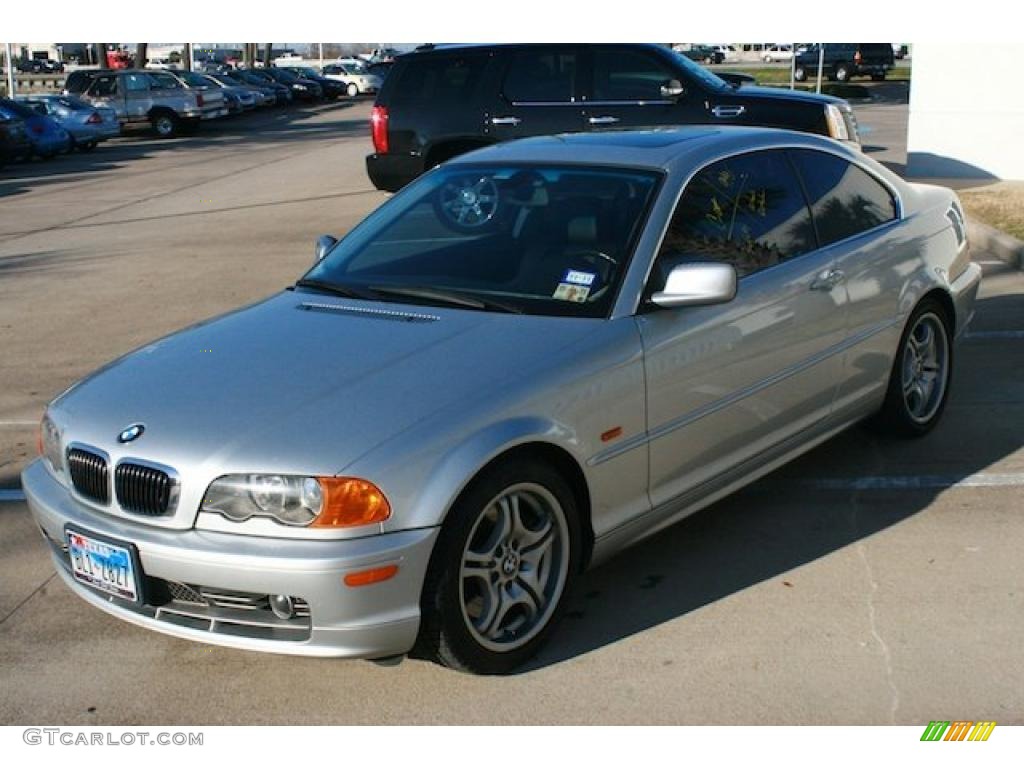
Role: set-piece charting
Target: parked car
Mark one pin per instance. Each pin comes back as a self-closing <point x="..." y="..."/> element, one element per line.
<point x="259" y="96"/>
<point x="39" y="66"/>
<point x="841" y="61"/>
<point x="303" y="89"/>
<point x="775" y="53"/>
<point x="163" y="63"/>
<point x="88" y="125"/>
<point x="439" y="102"/>
<point x="282" y="93"/>
<point x="331" y="89"/>
<point x="46" y="135"/>
<point x="146" y="96"/>
<point x="703" y="53"/>
<point x="380" y="69"/>
<point x="355" y="76"/>
<point x="537" y="355"/>
<point x="729" y="53"/>
<point x="210" y="96"/>
<point x="14" y="141"/>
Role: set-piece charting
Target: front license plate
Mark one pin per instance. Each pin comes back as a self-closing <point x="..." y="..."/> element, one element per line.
<point x="103" y="565"/>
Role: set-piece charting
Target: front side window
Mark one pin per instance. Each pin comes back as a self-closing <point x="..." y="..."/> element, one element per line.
<point x="540" y="76"/>
<point x="746" y="210"/>
<point x="845" y="199"/>
<point x="547" y="240"/>
<point x="103" y="86"/>
<point x="625" y="75"/>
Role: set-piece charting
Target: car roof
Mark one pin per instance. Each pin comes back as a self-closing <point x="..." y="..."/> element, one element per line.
<point x="663" y="149"/>
<point x="433" y="48"/>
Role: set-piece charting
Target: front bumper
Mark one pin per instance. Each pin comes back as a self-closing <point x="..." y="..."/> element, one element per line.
<point x="372" y="621"/>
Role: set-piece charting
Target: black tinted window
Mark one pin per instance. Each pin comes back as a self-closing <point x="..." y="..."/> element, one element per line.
<point x="540" y="76"/>
<point x="844" y="199"/>
<point x="746" y="210"/>
<point x="624" y="75"/>
<point x="104" y="86"/>
<point x="447" y="80"/>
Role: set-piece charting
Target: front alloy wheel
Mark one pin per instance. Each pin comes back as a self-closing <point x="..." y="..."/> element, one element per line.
<point x="501" y="568"/>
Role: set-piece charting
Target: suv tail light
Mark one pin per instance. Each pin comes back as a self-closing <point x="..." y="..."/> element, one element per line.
<point x="379" y="129"/>
<point x="199" y="99"/>
<point x="94" y="118"/>
<point x="857" y="58"/>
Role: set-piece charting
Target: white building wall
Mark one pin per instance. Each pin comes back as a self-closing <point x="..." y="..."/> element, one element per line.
<point x="966" y="111"/>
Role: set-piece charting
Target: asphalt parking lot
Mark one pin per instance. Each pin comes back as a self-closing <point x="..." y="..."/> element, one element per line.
<point x="871" y="581"/>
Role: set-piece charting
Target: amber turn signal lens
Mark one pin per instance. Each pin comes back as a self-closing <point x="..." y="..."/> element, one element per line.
<point x="371" y="576"/>
<point x="349" y="501"/>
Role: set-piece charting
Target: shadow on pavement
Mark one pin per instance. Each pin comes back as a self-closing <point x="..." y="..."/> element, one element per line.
<point x="788" y="519"/>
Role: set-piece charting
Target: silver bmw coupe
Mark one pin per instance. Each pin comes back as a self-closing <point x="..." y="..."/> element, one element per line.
<point x="530" y="358"/>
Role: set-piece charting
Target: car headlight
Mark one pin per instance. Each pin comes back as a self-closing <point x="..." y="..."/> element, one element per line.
<point x="836" y="123"/>
<point x="50" y="444"/>
<point x="300" y="87"/>
<point x="316" y="502"/>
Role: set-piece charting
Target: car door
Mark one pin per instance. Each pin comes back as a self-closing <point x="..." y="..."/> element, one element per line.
<point x="538" y="94"/>
<point x="853" y="211"/>
<point x="623" y="88"/>
<point x="727" y="383"/>
<point x="138" y="90"/>
<point x="105" y="91"/>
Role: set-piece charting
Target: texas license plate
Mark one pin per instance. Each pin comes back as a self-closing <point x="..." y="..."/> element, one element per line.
<point x="102" y="564"/>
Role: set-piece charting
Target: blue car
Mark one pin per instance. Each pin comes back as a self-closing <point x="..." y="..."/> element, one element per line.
<point x="47" y="137"/>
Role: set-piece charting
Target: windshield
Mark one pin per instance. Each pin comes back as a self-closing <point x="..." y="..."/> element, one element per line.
<point x="706" y="77"/>
<point x="546" y="240"/>
<point x="196" y="81"/>
<point x="283" y="75"/>
<point x="305" y="71"/>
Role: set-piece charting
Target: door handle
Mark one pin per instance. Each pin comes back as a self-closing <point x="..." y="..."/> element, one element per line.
<point x="828" y="280"/>
<point x="603" y="120"/>
<point x="505" y="121"/>
<point x="728" y="111"/>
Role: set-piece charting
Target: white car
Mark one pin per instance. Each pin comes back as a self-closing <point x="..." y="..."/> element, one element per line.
<point x="354" y="74"/>
<point x="777" y="53"/>
<point x="728" y="52"/>
<point x="161" y="63"/>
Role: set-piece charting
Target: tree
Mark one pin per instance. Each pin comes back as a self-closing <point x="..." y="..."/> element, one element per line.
<point x="140" y="55"/>
<point x="268" y="54"/>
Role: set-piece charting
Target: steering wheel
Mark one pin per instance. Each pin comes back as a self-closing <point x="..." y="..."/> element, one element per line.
<point x="469" y="202"/>
<point x="596" y="256"/>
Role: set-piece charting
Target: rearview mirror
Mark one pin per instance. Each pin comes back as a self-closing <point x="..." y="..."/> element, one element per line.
<point x="324" y="243"/>
<point x="672" y="88"/>
<point x="697" y="285"/>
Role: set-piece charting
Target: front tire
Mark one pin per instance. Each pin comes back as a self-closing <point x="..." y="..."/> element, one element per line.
<point x="506" y="557"/>
<point x="165" y="125"/>
<point x="843" y="73"/>
<point x="799" y="74"/>
<point x="921" y="374"/>
<point x="352" y="90"/>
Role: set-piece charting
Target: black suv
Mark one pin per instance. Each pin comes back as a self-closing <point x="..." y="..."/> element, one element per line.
<point x="439" y="102"/>
<point x="845" y="60"/>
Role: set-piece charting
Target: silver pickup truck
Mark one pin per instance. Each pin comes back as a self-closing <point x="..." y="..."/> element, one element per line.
<point x="157" y="98"/>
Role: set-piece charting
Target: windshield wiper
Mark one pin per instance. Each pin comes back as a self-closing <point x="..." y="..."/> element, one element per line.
<point x="336" y="289"/>
<point x="450" y="298"/>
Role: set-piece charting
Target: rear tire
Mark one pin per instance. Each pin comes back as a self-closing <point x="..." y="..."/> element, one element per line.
<point x="506" y="558"/>
<point x="921" y="375"/>
<point x="166" y="125"/>
<point x="799" y="74"/>
<point x="352" y="90"/>
<point x="843" y="72"/>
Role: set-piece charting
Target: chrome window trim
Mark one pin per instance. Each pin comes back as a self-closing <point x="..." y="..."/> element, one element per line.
<point x="634" y="310"/>
<point x="172" y="475"/>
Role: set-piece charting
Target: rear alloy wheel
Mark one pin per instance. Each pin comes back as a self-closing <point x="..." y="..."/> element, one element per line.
<point x="352" y="90"/>
<point x="501" y="568"/>
<point x="921" y="374"/>
<point x="165" y="125"/>
<point x="799" y="74"/>
<point x="842" y="73"/>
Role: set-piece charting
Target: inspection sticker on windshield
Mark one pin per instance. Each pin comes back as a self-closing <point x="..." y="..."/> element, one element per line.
<point x="579" y="278"/>
<point x="570" y="292"/>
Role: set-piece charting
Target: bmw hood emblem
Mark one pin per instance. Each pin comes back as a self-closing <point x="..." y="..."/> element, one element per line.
<point x="134" y="432"/>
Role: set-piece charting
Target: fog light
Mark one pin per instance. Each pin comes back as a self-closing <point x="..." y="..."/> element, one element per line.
<point x="282" y="606"/>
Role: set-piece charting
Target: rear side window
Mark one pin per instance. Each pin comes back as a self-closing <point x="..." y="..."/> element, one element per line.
<point x="746" y="210"/>
<point x="439" y="80"/>
<point x="540" y="76"/>
<point x="845" y="200"/>
<point x="104" y="86"/>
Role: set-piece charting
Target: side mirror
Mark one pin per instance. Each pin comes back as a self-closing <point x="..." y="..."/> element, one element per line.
<point x="672" y="89"/>
<point x="697" y="285"/>
<point x="324" y="243"/>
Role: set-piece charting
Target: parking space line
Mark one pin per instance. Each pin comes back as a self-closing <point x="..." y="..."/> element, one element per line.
<point x="12" y="494"/>
<point x="994" y="335"/>
<point x="915" y="482"/>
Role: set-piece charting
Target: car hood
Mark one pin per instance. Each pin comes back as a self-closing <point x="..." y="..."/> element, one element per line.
<point x="759" y="93"/>
<point x="304" y="383"/>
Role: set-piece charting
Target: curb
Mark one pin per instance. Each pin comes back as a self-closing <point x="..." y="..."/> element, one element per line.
<point x="999" y="244"/>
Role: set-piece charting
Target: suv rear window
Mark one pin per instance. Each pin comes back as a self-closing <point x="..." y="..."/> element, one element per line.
<point x="439" y="80"/>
